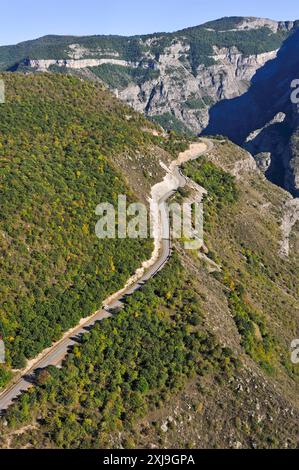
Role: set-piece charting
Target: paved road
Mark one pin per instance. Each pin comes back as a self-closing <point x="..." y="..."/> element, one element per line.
<point x="57" y="353"/>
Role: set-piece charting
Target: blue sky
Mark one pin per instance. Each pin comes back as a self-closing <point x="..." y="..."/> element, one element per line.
<point x="28" y="19"/>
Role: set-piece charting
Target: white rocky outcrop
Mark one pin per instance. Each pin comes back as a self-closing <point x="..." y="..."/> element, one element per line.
<point x="250" y="23"/>
<point x="279" y="118"/>
<point x="229" y="77"/>
<point x="42" y="65"/>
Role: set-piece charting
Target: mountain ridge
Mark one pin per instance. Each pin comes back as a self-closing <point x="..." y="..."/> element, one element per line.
<point x="280" y="23"/>
<point x="254" y="23"/>
<point x="183" y="79"/>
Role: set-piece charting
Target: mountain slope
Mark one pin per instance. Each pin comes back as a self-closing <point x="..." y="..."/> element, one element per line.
<point x="199" y="357"/>
<point x="264" y="119"/>
<point x="251" y="35"/>
<point x="65" y="147"/>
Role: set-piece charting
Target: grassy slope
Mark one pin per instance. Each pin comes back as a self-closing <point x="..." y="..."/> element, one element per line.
<point x="244" y="239"/>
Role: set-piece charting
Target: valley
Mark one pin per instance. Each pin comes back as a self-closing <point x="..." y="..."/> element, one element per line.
<point x="155" y="343"/>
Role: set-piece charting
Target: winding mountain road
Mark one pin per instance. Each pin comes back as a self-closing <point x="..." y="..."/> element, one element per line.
<point x="160" y="193"/>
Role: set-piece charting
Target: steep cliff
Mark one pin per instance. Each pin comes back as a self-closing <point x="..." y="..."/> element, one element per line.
<point x="264" y="120"/>
<point x="231" y="77"/>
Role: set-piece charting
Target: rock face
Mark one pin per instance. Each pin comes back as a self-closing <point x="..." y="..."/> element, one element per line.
<point x="291" y="155"/>
<point x="256" y="23"/>
<point x="264" y="119"/>
<point x="229" y="77"/>
<point x="265" y="143"/>
<point x="178" y="92"/>
<point x="42" y="65"/>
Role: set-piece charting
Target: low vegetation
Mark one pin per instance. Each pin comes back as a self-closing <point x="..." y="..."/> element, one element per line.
<point x="247" y="270"/>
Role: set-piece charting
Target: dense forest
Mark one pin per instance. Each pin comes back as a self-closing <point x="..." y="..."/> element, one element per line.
<point x="126" y="366"/>
<point x="59" y="141"/>
<point x="168" y="339"/>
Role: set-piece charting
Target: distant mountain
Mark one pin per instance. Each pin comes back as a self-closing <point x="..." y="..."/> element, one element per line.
<point x="230" y="76"/>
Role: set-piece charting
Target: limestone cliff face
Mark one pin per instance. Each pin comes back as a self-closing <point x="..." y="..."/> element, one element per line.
<point x="229" y="77"/>
<point x="264" y="120"/>
<point x="188" y="97"/>
<point x="42" y="65"/>
<point x="177" y="90"/>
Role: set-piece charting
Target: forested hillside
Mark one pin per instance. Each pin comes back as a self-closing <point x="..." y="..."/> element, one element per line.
<point x="127" y="366"/>
<point x="200" y="356"/>
<point x="251" y="270"/>
<point x="61" y="144"/>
